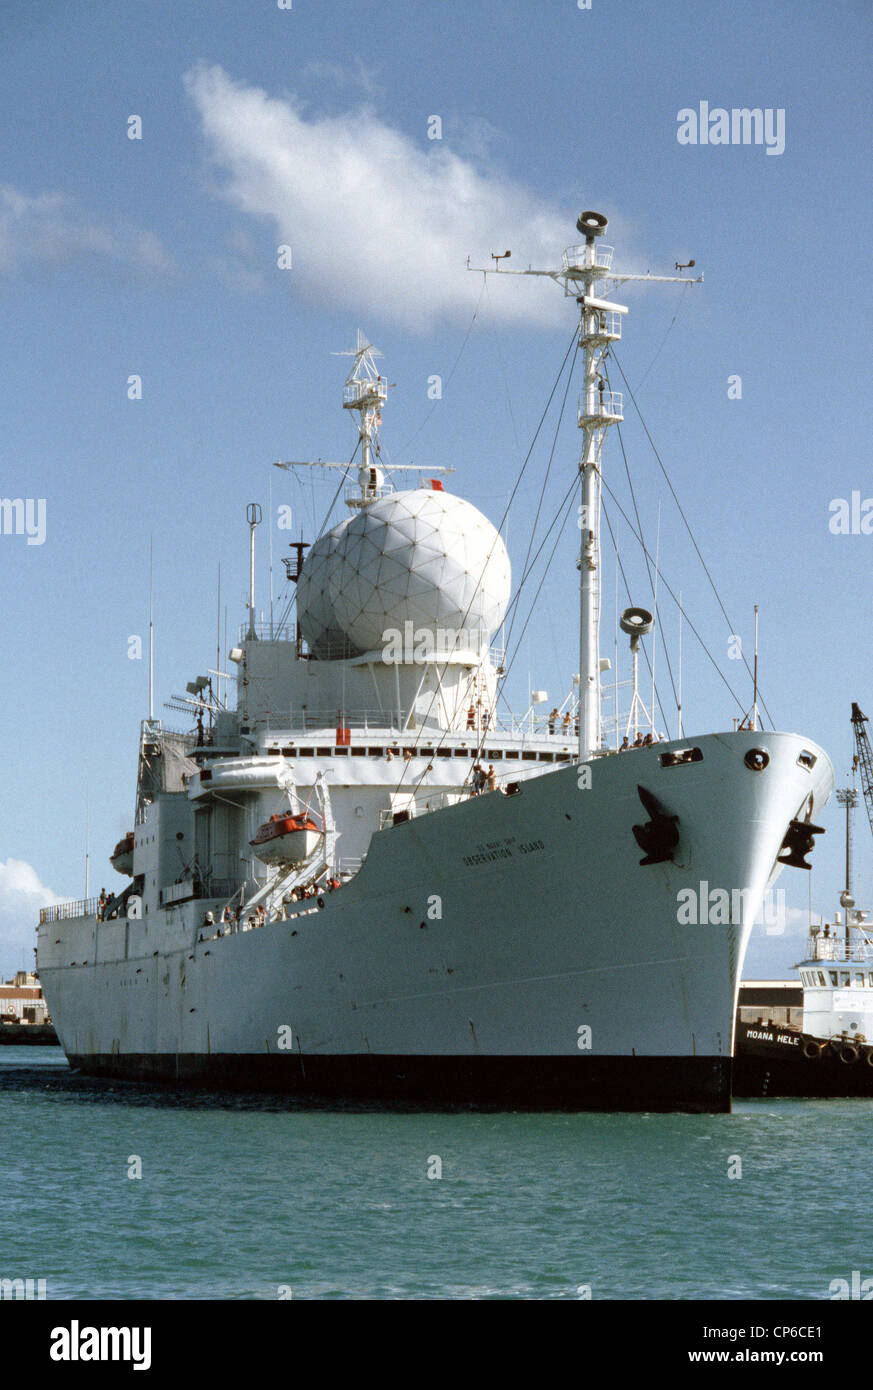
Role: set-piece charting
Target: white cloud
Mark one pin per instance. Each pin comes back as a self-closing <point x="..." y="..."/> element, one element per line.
<point x="51" y="228"/>
<point x="378" y="221"/>
<point x="22" y="894"/>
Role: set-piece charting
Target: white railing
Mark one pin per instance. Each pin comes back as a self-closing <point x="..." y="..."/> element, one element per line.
<point x="606" y="329"/>
<point x="577" y="257"/>
<point x="832" y="948"/>
<point x="359" y="392"/>
<point x="606" y="405"/>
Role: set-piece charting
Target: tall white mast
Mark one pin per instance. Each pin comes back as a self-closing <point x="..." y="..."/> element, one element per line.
<point x="366" y="392"/>
<point x="582" y="267"/>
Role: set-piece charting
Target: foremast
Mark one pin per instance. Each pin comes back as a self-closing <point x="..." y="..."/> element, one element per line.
<point x="582" y="267"/>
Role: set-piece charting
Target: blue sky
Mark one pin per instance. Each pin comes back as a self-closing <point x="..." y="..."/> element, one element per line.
<point x="263" y="127"/>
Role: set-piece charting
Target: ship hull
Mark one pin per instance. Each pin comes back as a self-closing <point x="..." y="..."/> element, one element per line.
<point x="692" y="1084"/>
<point x="509" y="950"/>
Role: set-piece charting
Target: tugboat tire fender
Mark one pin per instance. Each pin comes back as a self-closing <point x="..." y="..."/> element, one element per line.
<point x="848" y="1053"/>
<point x="813" y="1049"/>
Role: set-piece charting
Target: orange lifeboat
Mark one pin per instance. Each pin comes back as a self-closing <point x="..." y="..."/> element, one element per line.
<point x="287" y="839"/>
<point x="121" y="857"/>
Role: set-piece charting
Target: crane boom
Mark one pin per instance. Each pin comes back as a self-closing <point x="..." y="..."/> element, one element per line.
<point x="864" y="758"/>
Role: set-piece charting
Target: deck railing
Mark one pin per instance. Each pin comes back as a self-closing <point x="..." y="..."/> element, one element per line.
<point x="83" y="907"/>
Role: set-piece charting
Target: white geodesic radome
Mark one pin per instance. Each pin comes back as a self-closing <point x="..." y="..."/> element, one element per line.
<point x="318" y="623"/>
<point x="419" y="556"/>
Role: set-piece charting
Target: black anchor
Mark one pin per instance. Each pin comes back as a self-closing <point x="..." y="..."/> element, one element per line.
<point x="659" y="836"/>
<point x="798" y="842"/>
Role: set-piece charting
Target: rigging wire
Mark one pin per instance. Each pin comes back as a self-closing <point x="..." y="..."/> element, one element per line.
<point x="639" y="541"/>
<point x="706" y="571"/>
<point x="289" y="605"/>
<point x="524" y="569"/>
<point x="630" y="600"/>
<point x="418" y="431"/>
<point x="573" y="342"/>
<point x="652" y="574"/>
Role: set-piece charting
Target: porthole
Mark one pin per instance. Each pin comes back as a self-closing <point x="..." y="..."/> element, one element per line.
<point x="756" y="759"/>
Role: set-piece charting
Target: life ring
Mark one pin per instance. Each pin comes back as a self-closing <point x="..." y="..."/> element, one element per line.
<point x="848" y="1053"/>
<point x="813" y="1049"/>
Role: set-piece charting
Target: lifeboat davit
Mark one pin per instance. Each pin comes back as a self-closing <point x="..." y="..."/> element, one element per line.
<point x="121" y="857"/>
<point x="287" y="839"/>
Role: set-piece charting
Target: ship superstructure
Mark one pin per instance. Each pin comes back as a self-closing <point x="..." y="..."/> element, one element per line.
<point x="484" y="908"/>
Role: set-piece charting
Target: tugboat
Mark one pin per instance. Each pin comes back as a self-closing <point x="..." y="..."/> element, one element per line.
<point x="831" y="1052"/>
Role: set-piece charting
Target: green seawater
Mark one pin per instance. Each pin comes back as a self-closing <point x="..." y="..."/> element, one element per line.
<point x="241" y="1197"/>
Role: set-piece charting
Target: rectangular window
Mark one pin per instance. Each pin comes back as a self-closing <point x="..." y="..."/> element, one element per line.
<point x="679" y="756"/>
<point x="324" y="752"/>
<point x="512" y="753"/>
<point x="833" y="975"/>
<point x="359" y="752"/>
<point x="375" y="752"/>
<point x="528" y="757"/>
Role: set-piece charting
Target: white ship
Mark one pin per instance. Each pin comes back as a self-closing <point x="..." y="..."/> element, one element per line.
<point x="488" y="913"/>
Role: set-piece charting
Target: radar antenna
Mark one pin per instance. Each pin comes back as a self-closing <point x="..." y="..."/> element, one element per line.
<point x="366" y="391"/>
